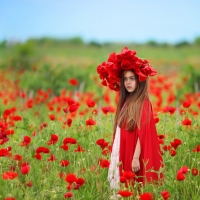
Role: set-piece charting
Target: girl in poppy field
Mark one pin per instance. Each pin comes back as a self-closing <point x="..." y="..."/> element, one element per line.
<point x="135" y="142"/>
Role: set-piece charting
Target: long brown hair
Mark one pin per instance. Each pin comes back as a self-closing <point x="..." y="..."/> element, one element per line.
<point x="129" y="106"/>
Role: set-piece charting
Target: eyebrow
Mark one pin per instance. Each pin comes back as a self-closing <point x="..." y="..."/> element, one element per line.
<point x="129" y="76"/>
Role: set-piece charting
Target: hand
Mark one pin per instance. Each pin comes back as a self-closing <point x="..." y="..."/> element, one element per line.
<point x="135" y="164"/>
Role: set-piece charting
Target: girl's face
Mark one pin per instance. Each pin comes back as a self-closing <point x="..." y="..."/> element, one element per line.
<point x="130" y="81"/>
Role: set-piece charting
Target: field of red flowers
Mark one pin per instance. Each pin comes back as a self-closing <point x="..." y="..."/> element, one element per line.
<point x="58" y="146"/>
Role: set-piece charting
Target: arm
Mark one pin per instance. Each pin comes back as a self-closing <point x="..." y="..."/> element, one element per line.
<point x="135" y="161"/>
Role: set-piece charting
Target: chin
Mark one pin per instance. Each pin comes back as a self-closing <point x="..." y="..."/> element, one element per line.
<point x="130" y="91"/>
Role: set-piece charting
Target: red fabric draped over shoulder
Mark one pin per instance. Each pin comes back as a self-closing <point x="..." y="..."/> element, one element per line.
<point x="150" y="157"/>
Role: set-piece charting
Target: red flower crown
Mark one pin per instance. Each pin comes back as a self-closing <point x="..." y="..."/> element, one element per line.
<point x="110" y="72"/>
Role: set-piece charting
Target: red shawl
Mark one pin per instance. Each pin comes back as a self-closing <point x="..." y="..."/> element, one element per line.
<point x="150" y="157"/>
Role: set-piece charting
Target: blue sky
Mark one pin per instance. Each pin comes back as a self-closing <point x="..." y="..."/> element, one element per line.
<point x="101" y="20"/>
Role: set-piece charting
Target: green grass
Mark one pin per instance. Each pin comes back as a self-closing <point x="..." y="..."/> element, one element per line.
<point x="90" y="55"/>
<point x="54" y="66"/>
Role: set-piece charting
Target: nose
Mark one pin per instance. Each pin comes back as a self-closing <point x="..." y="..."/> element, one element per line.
<point x="128" y="81"/>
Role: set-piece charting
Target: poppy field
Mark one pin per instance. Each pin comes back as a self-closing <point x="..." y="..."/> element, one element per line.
<point x="56" y="138"/>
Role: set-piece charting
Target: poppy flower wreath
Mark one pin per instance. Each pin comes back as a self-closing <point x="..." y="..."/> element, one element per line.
<point x="110" y="72"/>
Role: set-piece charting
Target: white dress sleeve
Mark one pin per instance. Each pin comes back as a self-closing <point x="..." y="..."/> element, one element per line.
<point x="113" y="172"/>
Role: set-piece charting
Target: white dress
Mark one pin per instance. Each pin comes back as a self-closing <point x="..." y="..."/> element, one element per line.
<point x="113" y="172"/>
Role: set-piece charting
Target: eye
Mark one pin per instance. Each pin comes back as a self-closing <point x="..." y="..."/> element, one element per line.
<point x="124" y="79"/>
<point x="132" y="78"/>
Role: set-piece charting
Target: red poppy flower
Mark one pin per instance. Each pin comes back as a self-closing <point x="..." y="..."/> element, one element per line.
<point x="9" y="175"/>
<point x="171" y="98"/>
<point x="12" y="168"/>
<point x="69" y="122"/>
<point x="17" y="157"/>
<point x="169" y="109"/>
<point x="29" y="103"/>
<point x="166" y="147"/>
<point x="172" y="152"/>
<point x="102" y="143"/>
<point x="128" y="174"/>
<point x="80" y="181"/>
<point x="186" y="104"/>
<point x="161" y="136"/>
<point x="38" y="156"/>
<point x="183" y="170"/>
<point x="65" y="147"/>
<point x="3" y="140"/>
<point x="69" y="186"/>
<point x="160" y="141"/>
<point x="70" y="178"/>
<point x="90" y="122"/>
<point x="195" y="113"/>
<point x="156" y="120"/>
<point x="146" y="196"/>
<point x="187" y="122"/>
<point x="7" y="112"/>
<point x="64" y="163"/>
<point x="177" y="141"/>
<point x="90" y="103"/>
<point x="173" y="145"/>
<point x="4" y="152"/>
<point x="9" y="148"/>
<point x="195" y="171"/>
<point x="76" y="186"/>
<point x="17" y="118"/>
<point x="51" y="117"/>
<point x="25" y="168"/>
<point x="70" y="101"/>
<point x="198" y="105"/>
<point x="61" y="174"/>
<point x="29" y="184"/>
<point x="72" y="108"/>
<point x="73" y="81"/>
<point x="95" y="112"/>
<point x="79" y="149"/>
<point x="44" y="124"/>
<point x="52" y="158"/>
<point x="197" y="148"/>
<point x="180" y="176"/>
<point x="9" y="198"/>
<point x="9" y="132"/>
<point x="122" y="179"/>
<point x="165" y="194"/>
<point x="82" y="112"/>
<point x="69" y="140"/>
<point x="68" y="195"/>
<point x="53" y="139"/>
<point x="105" y="152"/>
<point x="108" y="109"/>
<point x="125" y="193"/>
<point x="182" y="112"/>
<point x="26" y="141"/>
<point x="42" y="150"/>
<point x="104" y="163"/>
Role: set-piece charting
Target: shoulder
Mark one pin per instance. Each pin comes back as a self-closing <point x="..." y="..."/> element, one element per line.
<point x="146" y="112"/>
<point x="146" y="109"/>
<point x="147" y="103"/>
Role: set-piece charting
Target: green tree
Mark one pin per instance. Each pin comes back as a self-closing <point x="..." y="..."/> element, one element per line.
<point x="197" y="41"/>
<point x="3" y="44"/>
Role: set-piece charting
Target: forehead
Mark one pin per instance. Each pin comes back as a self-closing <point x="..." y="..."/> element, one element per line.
<point x="128" y="73"/>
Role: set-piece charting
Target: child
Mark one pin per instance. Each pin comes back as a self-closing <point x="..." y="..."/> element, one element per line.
<point x="135" y="145"/>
